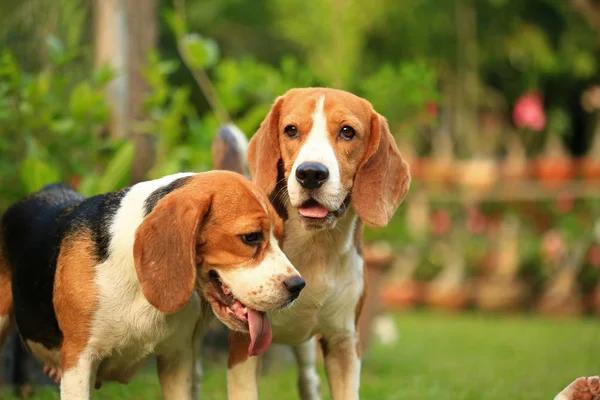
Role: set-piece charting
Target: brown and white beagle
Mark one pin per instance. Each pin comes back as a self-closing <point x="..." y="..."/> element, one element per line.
<point x="329" y="164"/>
<point x="95" y="285"/>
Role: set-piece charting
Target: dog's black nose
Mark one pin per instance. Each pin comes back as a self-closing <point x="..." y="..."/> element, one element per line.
<point x="312" y="175"/>
<point x="294" y="286"/>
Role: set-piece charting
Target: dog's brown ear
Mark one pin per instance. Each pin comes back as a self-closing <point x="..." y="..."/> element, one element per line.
<point x="383" y="177"/>
<point x="264" y="152"/>
<point x="164" y="251"/>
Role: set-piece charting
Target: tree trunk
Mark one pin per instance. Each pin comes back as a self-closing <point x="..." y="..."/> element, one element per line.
<point x="126" y="30"/>
<point x="141" y="21"/>
<point x="467" y="74"/>
<point x="111" y="50"/>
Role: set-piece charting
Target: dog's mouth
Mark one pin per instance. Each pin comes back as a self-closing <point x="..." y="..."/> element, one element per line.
<point x="237" y="316"/>
<point x="312" y="210"/>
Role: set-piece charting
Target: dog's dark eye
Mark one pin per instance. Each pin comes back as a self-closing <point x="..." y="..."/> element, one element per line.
<point x="252" y="239"/>
<point x="291" y="131"/>
<point x="347" y="132"/>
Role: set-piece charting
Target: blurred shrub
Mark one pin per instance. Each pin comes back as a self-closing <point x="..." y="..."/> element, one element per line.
<point x="50" y="126"/>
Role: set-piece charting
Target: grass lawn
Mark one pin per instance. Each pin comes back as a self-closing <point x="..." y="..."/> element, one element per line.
<point x="468" y="356"/>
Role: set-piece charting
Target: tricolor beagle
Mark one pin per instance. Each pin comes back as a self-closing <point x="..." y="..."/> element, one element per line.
<point x="96" y="285"/>
<point x="329" y="163"/>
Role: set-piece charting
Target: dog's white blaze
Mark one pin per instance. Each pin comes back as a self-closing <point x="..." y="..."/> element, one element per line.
<point x="264" y="281"/>
<point x="318" y="148"/>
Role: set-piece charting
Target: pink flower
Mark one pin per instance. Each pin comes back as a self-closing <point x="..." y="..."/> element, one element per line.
<point x="564" y="203"/>
<point x="431" y="108"/>
<point x="476" y="221"/>
<point x="440" y="222"/>
<point x="553" y="246"/>
<point x="528" y="112"/>
<point x="594" y="255"/>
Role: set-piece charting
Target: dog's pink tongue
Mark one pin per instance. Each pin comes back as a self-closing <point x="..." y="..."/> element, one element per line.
<point x="260" y="332"/>
<point x="313" y="212"/>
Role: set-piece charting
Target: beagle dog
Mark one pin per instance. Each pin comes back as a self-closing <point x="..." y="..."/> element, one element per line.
<point x="582" y="388"/>
<point x="329" y="164"/>
<point x="95" y="285"/>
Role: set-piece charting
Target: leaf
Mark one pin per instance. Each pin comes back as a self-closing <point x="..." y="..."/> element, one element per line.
<point x="56" y="49"/>
<point x="175" y="22"/>
<point x="201" y="52"/>
<point x="89" y="185"/>
<point x="103" y="75"/>
<point x="117" y="171"/>
<point x="36" y="173"/>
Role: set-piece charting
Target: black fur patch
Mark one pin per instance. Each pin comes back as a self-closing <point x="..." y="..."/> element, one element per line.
<point x="32" y="234"/>
<point x="95" y="213"/>
<point x="280" y="193"/>
<point x="161" y="192"/>
<point x="33" y="230"/>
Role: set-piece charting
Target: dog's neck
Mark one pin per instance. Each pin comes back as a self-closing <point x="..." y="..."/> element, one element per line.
<point x="325" y="245"/>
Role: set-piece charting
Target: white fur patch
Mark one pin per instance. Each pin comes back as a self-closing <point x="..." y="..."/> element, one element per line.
<point x="317" y="148"/>
<point x="126" y="328"/>
<point x="261" y="287"/>
<point x="241" y="140"/>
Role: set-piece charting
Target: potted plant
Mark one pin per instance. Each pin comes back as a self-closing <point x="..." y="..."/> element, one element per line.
<point x="589" y="166"/>
<point x="450" y="289"/>
<point x="503" y="289"/>
<point x="555" y="165"/>
<point x="564" y="249"/>
<point x="478" y="167"/>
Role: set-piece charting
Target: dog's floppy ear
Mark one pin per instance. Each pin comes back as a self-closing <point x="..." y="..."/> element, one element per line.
<point x="382" y="178"/>
<point x="164" y="251"/>
<point x="264" y="152"/>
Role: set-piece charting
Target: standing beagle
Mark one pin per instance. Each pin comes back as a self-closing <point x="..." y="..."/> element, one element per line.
<point x="329" y="164"/>
<point x="96" y="285"/>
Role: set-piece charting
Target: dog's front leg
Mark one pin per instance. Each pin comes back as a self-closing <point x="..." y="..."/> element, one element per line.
<point x="342" y="364"/>
<point x="175" y="373"/>
<point x="309" y="383"/>
<point x="79" y="374"/>
<point x="242" y="371"/>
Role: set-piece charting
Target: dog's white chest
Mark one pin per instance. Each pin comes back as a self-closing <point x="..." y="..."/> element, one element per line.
<point x="334" y="284"/>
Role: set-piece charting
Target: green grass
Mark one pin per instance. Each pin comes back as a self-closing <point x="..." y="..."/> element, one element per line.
<point x="468" y="356"/>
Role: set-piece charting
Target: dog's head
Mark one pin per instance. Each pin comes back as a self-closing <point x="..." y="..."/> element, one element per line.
<point x="218" y="234"/>
<point x="331" y="150"/>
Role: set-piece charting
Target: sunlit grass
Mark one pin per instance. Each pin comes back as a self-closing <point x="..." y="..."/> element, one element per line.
<point x="467" y="356"/>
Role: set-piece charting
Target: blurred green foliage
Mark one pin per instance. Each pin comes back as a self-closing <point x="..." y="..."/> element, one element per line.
<point x="400" y="55"/>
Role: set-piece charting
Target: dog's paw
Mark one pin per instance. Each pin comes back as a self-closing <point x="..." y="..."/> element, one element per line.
<point x="53" y="373"/>
<point x="584" y="388"/>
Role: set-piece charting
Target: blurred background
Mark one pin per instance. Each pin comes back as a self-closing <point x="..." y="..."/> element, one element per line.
<point x="485" y="284"/>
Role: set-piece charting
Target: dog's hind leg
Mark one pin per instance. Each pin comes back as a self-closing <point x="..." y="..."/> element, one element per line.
<point x="581" y="389"/>
<point x="7" y="317"/>
<point x="309" y="383"/>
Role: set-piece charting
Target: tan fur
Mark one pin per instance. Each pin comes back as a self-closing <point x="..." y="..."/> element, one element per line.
<point x="370" y="164"/>
<point x="75" y="294"/>
<point x="369" y="170"/>
<point x="159" y="239"/>
<point x="238" y="348"/>
<point x="7" y="317"/>
<point x="264" y="152"/>
<point x="382" y="179"/>
<point x="167" y="237"/>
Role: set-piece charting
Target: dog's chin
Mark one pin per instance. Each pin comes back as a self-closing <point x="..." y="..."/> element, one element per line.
<point x="317" y="224"/>
<point x="312" y="221"/>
